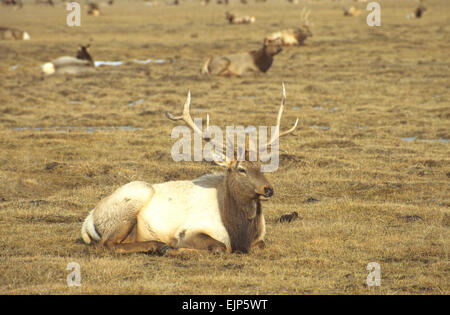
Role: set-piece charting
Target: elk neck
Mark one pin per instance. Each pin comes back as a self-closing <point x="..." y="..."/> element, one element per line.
<point x="241" y="218"/>
<point x="262" y="60"/>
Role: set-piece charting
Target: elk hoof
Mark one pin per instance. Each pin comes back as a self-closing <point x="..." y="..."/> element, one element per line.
<point x="166" y="250"/>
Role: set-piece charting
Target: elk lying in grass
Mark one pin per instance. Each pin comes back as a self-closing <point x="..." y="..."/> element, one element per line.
<point x="49" y="2"/>
<point x="16" y="4"/>
<point x="418" y="12"/>
<point x="82" y="63"/>
<point x="241" y="64"/>
<point x="219" y="213"/>
<point x="293" y="37"/>
<point x="11" y="33"/>
<point x="92" y="9"/>
<point x="352" y="11"/>
<point x="236" y="19"/>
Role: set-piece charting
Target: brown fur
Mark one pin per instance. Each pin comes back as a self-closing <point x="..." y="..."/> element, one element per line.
<point x="14" y="3"/>
<point x="257" y="61"/>
<point x="241" y="212"/>
<point x="83" y="54"/>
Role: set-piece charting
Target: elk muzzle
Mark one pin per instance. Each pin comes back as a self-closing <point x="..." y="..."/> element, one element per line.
<point x="265" y="191"/>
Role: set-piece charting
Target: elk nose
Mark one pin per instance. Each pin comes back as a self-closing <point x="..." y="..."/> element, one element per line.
<point x="268" y="191"/>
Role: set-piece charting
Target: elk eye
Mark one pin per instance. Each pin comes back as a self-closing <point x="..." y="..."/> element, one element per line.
<point x="242" y="170"/>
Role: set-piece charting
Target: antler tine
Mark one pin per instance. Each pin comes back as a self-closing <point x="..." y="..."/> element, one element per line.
<point x="280" y="113"/>
<point x="307" y="17"/>
<point x="186" y="106"/>
<point x="186" y="117"/>
<point x="302" y="14"/>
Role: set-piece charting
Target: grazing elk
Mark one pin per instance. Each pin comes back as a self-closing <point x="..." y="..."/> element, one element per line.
<point x="241" y="64"/>
<point x="215" y="212"/>
<point x="293" y="37"/>
<point x="236" y="19"/>
<point x="82" y="63"/>
<point x="11" y="33"/>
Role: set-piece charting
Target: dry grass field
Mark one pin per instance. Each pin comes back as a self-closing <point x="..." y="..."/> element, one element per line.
<point x="368" y="168"/>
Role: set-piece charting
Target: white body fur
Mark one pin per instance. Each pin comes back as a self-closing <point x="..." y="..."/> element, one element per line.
<point x="67" y="65"/>
<point x="169" y="212"/>
<point x="287" y="37"/>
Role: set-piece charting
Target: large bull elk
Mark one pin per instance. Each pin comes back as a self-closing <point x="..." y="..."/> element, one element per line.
<point x="219" y="213"/>
<point x="295" y="37"/>
<point x="241" y="64"/>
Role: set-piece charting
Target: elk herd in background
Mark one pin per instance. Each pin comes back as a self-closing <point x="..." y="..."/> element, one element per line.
<point x="236" y="64"/>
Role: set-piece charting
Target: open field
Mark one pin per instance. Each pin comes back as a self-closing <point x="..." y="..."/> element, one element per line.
<point x="66" y="142"/>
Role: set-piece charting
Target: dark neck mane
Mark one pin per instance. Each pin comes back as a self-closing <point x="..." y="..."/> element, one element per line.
<point x="241" y="229"/>
<point x="262" y="60"/>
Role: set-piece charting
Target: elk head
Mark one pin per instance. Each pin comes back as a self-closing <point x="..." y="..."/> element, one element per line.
<point x="244" y="178"/>
<point x="272" y="47"/>
<point x="83" y="54"/>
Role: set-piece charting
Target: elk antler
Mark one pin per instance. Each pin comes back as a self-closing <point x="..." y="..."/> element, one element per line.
<point x="277" y="134"/>
<point x="186" y="117"/>
<point x="304" y="15"/>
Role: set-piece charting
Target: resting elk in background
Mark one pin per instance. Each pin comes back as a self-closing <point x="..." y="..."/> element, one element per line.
<point x="352" y="11"/>
<point x="93" y="9"/>
<point x="11" y="33"/>
<point x="240" y="64"/>
<point x="293" y="37"/>
<point x="70" y="65"/>
<point x="418" y="12"/>
<point x="17" y="4"/>
<point x="219" y="213"/>
<point x="236" y="19"/>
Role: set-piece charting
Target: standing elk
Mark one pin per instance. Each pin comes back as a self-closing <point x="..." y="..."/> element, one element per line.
<point x="82" y="63"/>
<point x="293" y="37"/>
<point x="11" y="33"/>
<point x="241" y="64"/>
<point x="236" y="19"/>
<point x="219" y="213"/>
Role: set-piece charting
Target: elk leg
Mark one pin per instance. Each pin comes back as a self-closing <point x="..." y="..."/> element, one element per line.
<point x="123" y="240"/>
<point x="138" y="247"/>
<point x="202" y="241"/>
<point x="259" y="244"/>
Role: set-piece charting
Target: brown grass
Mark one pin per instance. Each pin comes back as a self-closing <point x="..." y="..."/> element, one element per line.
<point x="380" y="199"/>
